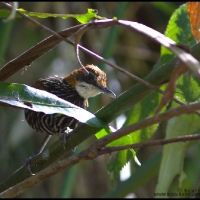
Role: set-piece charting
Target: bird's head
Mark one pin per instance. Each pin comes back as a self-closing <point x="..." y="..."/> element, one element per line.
<point x="89" y="83"/>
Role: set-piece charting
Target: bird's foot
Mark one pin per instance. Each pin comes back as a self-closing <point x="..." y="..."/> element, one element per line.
<point x="28" y="164"/>
<point x="64" y="136"/>
<point x="45" y="154"/>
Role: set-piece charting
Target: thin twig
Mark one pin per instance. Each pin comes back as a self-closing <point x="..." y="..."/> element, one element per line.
<point x="12" y="14"/>
<point x="186" y="138"/>
<point x="33" y="21"/>
<point x="145" y="123"/>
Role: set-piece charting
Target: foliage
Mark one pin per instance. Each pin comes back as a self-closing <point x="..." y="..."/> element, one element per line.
<point x="139" y="100"/>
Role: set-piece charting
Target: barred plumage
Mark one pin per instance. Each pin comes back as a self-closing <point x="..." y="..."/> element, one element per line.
<point x="55" y="123"/>
<point x="76" y="88"/>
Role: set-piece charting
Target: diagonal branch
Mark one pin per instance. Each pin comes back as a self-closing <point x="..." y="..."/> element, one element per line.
<point x="88" y="154"/>
<point x="96" y="148"/>
<point x="185" y="138"/>
<point x="145" y="123"/>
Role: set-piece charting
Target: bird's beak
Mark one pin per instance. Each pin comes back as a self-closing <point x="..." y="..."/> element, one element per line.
<point x="107" y="91"/>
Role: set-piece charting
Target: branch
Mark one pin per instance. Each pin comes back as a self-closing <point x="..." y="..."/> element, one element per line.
<point x="88" y="154"/>
<point x="104" y="24"/>
<point x="12" y="14"/>
<point x="47" y="44"/>
<point x="96" y="148"/>
<point x="43" y="47"/>
<point x="107" y="150"/>
<point x="145" y="123"/>
<point x="82" y="132"/>
<point x="33" y="21"/>
<point x="61" y="37"/>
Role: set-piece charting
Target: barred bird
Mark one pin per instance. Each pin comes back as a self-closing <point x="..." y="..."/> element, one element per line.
<point x="76" y="88"/>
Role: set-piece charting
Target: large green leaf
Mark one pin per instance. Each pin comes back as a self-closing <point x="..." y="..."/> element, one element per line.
<point x="179" y="30"/>
<point x="24" y="96"/>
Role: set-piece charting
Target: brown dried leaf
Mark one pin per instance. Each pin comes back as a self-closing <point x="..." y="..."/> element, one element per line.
<point x="194" y="14"/>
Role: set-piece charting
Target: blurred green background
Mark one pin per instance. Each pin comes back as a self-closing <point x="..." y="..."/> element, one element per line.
<point x="132" y="51"/>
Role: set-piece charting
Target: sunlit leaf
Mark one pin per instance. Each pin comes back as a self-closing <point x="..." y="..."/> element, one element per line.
<point x="115" y="166"/>
<point x="82" y="18"/>
<point x="121" y="158"/>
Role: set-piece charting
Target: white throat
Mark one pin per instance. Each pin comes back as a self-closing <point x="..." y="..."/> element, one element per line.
<point x="86" y="90"/>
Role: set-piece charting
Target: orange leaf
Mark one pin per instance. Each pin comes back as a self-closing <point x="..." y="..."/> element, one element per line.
<point x="194" y="13"/>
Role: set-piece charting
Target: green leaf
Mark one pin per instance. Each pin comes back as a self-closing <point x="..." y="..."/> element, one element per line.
<point x="83" y="18"/>
<point x="120" y="160"/>
<point x="179" y="30"/>
<point x="188" y="88"/>
<point x="103" y="132"/>
<point x="122" y="157"/>
<point x="24" y="96"/>
<point x="142" y="110"/>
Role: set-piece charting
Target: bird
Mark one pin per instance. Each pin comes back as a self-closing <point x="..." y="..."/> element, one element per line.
<point x="75" y="88"/>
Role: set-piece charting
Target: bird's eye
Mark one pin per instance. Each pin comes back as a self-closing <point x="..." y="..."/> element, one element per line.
<point x="90" y="77"/>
